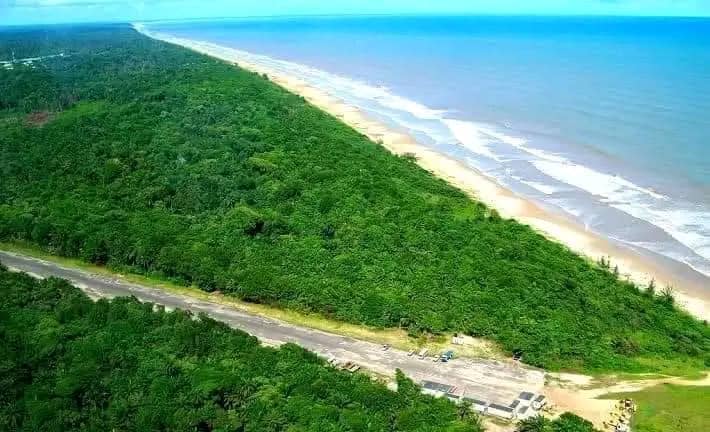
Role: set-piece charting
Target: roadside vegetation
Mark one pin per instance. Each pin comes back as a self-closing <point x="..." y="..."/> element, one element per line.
<point x="567" y="422"/>
<point x="670" y="408"/>
<point x="153" y="159"/>
<point x="68" y="363"/>
<point x="392" y="336"/>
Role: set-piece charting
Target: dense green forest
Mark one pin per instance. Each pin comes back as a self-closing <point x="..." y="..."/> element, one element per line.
<point x="151" y="158"/>
<point x="567" y="422"/>
<point x="67" y="363"/>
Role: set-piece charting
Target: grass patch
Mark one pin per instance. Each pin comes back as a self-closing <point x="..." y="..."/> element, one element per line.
<point x="670" y="408"/>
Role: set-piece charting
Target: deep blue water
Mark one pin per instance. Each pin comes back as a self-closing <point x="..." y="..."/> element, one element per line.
<point x="604" y="119"/>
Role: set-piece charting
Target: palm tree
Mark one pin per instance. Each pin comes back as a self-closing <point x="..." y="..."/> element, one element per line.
<point x="534" y="424"/>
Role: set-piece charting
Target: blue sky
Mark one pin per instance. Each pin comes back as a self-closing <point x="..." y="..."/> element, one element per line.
<point x="52" y="11"/>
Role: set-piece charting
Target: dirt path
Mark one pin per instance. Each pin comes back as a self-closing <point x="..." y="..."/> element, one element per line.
<point x="484" y="379"/>
<point x="582" y="394"/>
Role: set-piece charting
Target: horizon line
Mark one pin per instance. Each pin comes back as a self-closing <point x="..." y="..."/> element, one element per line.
<point x="363" y="15"/>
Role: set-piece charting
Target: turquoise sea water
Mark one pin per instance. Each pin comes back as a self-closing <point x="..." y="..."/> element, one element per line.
<point x="606" y="120"/>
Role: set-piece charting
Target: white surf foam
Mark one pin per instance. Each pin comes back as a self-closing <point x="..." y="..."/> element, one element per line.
<point x="471" y="137"/>
<point x="339" y="85"/>
<point x="540" y="187"/>
<point x="606" y="186"/>
<point x="688" y="225"/>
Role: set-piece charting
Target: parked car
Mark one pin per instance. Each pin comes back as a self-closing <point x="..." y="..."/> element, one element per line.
<point x="446" y="356"/>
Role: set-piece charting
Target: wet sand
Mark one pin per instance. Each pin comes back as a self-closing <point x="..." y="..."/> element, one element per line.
<point x="689" y="286"/>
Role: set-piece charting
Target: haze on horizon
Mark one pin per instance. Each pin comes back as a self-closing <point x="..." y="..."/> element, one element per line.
<point x="19" y="12"/>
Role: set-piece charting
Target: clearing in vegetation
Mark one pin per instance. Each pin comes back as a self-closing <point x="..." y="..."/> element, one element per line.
<point x="168" y="163"/>
<point x="670" y="408"/>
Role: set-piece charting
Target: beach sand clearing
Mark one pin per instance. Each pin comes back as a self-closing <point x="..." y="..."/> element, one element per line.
<point x="584" y="396"/>
<point x="691" y="295"/>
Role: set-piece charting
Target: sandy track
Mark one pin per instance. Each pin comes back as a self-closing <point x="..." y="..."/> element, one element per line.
<point x="488" y="380"/>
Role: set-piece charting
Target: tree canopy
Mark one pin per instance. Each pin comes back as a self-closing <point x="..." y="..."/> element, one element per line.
<point x="70" y="364"/>
<point x="151" y="158"/>
<point x="567" y="422"/>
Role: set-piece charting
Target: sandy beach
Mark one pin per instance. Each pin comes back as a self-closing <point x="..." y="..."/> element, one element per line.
<point x="690" y="288"/>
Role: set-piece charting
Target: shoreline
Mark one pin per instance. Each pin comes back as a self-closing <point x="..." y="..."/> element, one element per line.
<point x="635" y="266"/>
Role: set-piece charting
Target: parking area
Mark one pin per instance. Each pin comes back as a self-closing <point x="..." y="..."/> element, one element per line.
<point x="497" y="382"/>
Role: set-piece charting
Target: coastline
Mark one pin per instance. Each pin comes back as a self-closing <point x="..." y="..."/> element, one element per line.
<point x="638" y="267"/>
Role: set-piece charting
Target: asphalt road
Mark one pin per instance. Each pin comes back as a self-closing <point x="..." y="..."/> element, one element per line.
<point x="487" y="380"/>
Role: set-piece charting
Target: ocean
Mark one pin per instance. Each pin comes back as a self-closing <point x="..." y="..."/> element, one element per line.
<point x="604" y="120"/>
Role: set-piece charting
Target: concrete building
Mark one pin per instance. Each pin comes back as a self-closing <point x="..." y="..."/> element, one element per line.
<point x="477" y="405"/>
<point x="539" y="402"/>
<point x="436" y="389"/>
<point x="502" y="411"/>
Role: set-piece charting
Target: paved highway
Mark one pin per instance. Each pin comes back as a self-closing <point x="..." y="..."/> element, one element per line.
<point x="488" y="380"/>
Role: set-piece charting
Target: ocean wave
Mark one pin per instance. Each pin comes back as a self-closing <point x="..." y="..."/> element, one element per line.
<point x="390" y="100"/>
<point x="471" y="137"/>
<point x="689" y="226"/>
<point x="608" y="187"/>
<point x="540" y="187"/>
<point x="699" y="264"/>
<point x="339" y="84"/>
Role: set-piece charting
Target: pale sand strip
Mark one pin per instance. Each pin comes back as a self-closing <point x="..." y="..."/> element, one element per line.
<point x="583" y="396"/>
<point x="690" y="294"/>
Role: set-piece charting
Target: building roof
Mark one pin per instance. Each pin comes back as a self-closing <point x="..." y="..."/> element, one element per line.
<point x="515" y="404"/>
<point x="501" y="407"/>
<point x="431" y="385"/>
<point x="526" y="396"/>
<point x="540" y="398"/>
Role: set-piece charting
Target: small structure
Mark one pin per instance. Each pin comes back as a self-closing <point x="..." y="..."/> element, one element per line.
<point x="478" y="405"/>
<point x="526" y="397"/>
<point x="622" y="427"/>
<point x="621" y="417"/>
<point x="527" y="403"/>
<point x="29" y="61"/>
<point x="453" y="397"/>
<point x="524" y="412"/>
<point x="347" y="366"/>
<point x="539" y="402"/>
<point x="436" y="389"/>
<point x="502" y="411"/>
